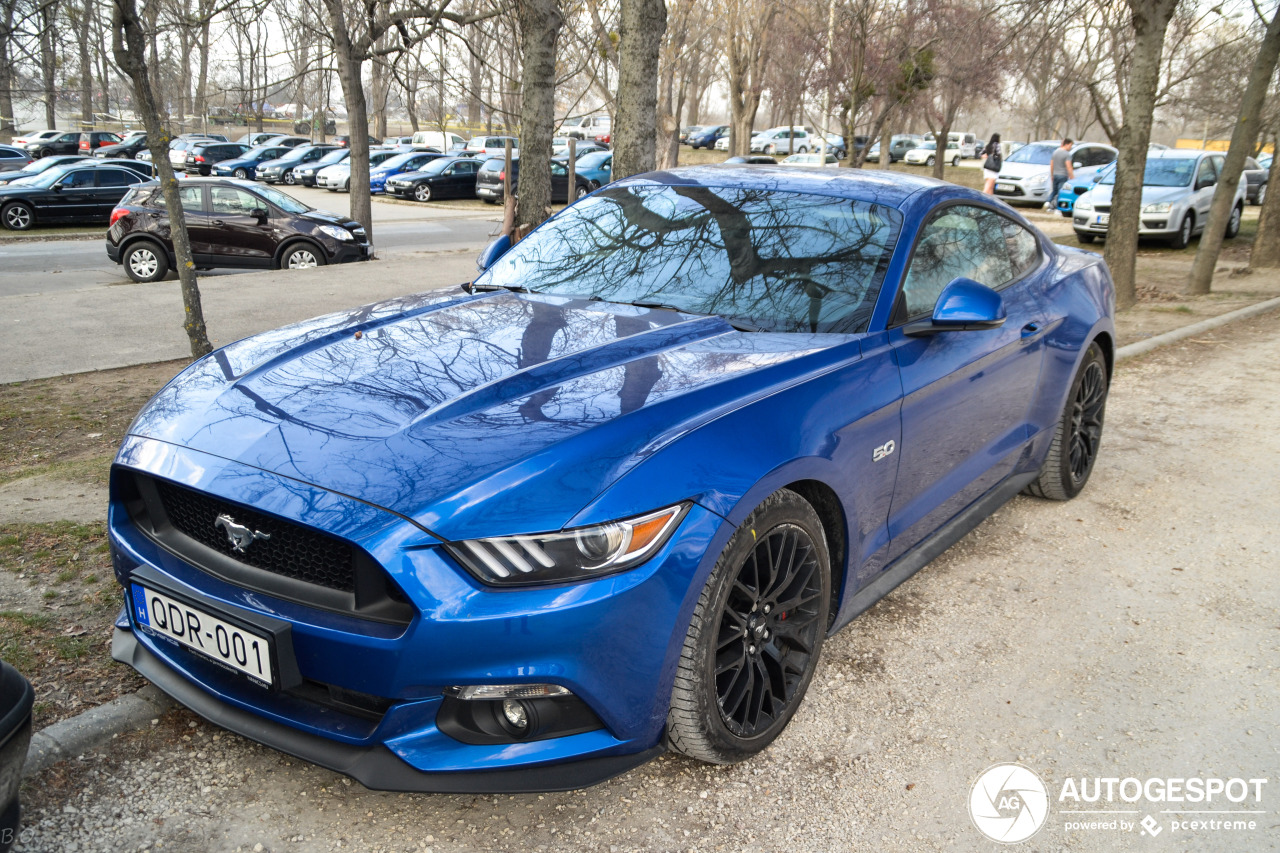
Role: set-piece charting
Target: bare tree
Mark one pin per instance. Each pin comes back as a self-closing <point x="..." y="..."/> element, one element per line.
<point x="129" y="44"/>
<point x="1266" y="243"/>
<point x="1242" y="141"/>
<point x="644" y="22"/>
<point x="540" y="23"/>
<point x="748" y="38"/>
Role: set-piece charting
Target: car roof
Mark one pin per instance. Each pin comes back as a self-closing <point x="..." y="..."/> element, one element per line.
<point x="879" y="186"/>
<point x="1180" y="153"/>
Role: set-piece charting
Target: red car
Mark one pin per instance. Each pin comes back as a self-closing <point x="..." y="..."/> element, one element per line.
<point x="89" y="141"/>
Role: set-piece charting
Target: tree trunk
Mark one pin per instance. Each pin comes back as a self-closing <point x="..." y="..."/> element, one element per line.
<point x="49" y="60"/>
<point x="1242" y="140"/>
<point x="1266" y="245"/>
<point x="7" y="125"/>
<point x="1150" y="21"/>
<point x="129" y="41"/>
<point x="644" y="22"/>
<point x="349" y="73"/>
<point x="540" y="23"/>
<point x="86" y="61"/>
<point x="886" y="140"/>
<point x="940" y="141"/>
<point x="202" y="80"/>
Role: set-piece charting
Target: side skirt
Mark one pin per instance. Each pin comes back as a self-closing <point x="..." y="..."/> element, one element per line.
<point x="924" y="553"/>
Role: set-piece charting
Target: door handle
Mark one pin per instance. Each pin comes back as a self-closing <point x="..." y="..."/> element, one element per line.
<point x="1030" y="329"/>
<point x="218" y="222"/>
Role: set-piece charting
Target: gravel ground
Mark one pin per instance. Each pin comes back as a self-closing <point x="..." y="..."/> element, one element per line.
<point x="1131" y="632"/>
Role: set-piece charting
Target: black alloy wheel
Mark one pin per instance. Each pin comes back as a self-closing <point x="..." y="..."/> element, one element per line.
<point x="755" y="636"/>
<point x="1078" y="436"/>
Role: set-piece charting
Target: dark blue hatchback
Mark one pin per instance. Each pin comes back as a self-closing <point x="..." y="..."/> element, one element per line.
<point x="609" y="498"/>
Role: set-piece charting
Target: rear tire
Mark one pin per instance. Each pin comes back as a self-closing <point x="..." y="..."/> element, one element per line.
<point x="955" y="161"/>
<point x="583" y="191"/>
<point x="1078" y="435"/>
<point x="145" y="261"/>
<point x="755" y="635"/>
<point x="1262" y="195"/>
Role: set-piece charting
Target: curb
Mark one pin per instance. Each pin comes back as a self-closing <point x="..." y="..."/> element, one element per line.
<point x="83" y="732"/>
<point x="76" y="735"/>
<point x="1141" y="347"/>
<point x="46" y="238"/>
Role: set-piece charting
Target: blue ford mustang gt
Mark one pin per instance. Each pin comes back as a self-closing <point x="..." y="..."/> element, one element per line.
<point x="609" y="498"/>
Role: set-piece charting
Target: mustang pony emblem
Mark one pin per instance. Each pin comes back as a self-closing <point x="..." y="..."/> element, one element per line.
<point x="238" y="535"/>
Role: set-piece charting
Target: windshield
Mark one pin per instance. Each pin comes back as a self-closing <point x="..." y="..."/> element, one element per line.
<point x="400" y="159"/>
<point x="1161" y="172"/>
<point x="773" y="261"/>
<point x="1036" y="155"/>
<point x="930" y="145"/>
<point x="287" y="203"/>
<point x="594" y="160"/>
<point x="333" y="157"/>
<point x="47" y="178"/>
<point x="38" y="166"/>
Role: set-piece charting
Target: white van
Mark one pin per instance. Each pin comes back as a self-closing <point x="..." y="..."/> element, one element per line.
<point x="586" y="127"/>
<point x="968" y="143"/>
<point x="444" y="142"/>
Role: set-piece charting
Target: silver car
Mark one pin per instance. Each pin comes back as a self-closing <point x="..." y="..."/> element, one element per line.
<point x="1177" y="190"/>
<point x="1024" y="178"/>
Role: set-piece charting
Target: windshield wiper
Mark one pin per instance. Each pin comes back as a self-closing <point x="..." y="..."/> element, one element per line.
<point x="514" y="288"/>
<point x="740" y="325"/>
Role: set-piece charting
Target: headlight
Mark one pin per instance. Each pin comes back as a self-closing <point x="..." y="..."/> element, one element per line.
<point x="581" y="554"/>
<point x="1162" y="207"/>
<point x="1083" y="204"/>
<point x="335" y="232"/>
<point x="1038" y="181"/>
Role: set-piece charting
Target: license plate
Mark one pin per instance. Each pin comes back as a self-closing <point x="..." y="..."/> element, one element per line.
<point x="205" y="634"/>
<point x="1004" y="188"/>
<point x="1104" y="219"/>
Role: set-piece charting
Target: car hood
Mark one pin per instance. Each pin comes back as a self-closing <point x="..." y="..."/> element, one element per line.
<point x="473" y="414"/>
<point x="1101" y="194"/>
<point x="1022" y="170"/>
<point x="335" y="169"/>
<point x="279" y="161"/>
<point x="324" y="217"/>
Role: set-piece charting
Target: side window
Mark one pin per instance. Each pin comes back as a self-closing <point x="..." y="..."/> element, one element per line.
<point x="117" y="178"/>
<point x="1206" y="175"/>
<point x="192" y="199"/>
<point x="959" y="241"/>
<point x="559" y="169"/>
<point x="232" y="201"/>
<point x="1218" y="163"/>
<point x="1024" y="251"/>
<point x="76" y="180"/>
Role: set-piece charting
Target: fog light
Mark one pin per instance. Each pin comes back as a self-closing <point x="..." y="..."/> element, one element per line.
<point x="516" y="715"/>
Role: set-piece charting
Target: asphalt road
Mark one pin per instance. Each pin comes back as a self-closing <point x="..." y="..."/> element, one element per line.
<point x="1130" y="633"/>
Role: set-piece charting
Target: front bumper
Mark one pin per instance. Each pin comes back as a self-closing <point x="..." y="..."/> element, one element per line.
<point x="461" y="633"/>
<point x="1020" y="191"/>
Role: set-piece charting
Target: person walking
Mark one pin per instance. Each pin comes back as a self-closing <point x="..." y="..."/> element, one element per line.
<point x="1060" y="171"/>
<point x="991" y="162"/>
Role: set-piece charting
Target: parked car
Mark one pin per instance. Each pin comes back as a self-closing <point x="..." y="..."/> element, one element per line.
<point x="307" y="125"/>
<point x="13" y="159"/>
<point x="245" y="167"/>
<point x="260" y="138"/>
<point x="596" y="168"/>
<point x="36" y="167"/>
<point x="753" y="160"/>
<point x="91" y="141"/>
<point x="1076" y="187"/>
<point x="146" y="170"/>
<point x="409" y="161"/>
<point x="610" y="498"/>
<point x="899" y="145"/>
<point x="707" y="137"/>
<point x="782" y="140"/>
<point x="79" y="192"/>
<point x="835" y="145"/>
<point x="338" y="176"/>
<point x="581" y="151"/>
<point x="584" y="127"/>
<point x="345" y="141"/>
<point x="1024" y="175"/>
<point x="444" y="177"/>
<point x="281" y="170"/>
<point x="23" y="139"/>
<point x="926" y="154"/>
<point x="492" y="146"/>
<point x="490" y="181"/>
<point x="403" y="141"/>
<point x="814" y="159"/>
<point x="127" y="148"/>
<point x="231" y="223"/>
<point x="441" y="141"/>
<point x="1256" y="176"/>
<point x="688" y="131"/>
<point x="16" y="702"/>
<point x="179" y="146"/>
<point x="307" y="174"/>
<point x="1177" y="191"/>
<point x="203" y="156"/>
<point x="47" y="146"/>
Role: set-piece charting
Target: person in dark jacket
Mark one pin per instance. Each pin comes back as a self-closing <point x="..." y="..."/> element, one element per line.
<point x="992" y="159"/>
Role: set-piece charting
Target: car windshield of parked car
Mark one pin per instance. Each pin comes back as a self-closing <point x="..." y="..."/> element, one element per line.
<point x="594" y="160"/>
<point x="1036" y="155"/>
<point x="764" y="260"/>
<point x="287" y="203"/>
<point x="1161" y="172"/>
<point x="399" y="160"/>
<point x="333" y="157"/>
<point x="436" y="166"/>
<point x="48" y="178"/>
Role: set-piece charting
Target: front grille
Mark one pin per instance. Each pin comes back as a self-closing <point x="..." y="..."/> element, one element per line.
<point x="291" y="551"/>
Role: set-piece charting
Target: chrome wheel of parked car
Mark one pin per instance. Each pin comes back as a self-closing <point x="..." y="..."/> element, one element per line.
<point x="955" y="161"/>
<point x="242" y="174"/>
<point x="422" y="192"/>
<point x="755" y="635"/>
<point x="303" y="257"/>
<point x="145" y="261"/>
<point x="583" y="191"/>
<point x="930" y="160"/>
<point x="1233" y="224"/>
<point x="288" y="178"/>
<point x="18" y="216"/>
<point x="1183" y="237"/>
<point x="1079" y="433"/>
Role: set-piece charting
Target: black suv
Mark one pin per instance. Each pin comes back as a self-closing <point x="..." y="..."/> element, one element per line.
<point x="489" y="181"/>
<point x="66" y="143"/>
<point x="231" y="223"/>
<point x="201" y="157"/>
<point x="92" y="140"/>
<point x="128" y="149"/>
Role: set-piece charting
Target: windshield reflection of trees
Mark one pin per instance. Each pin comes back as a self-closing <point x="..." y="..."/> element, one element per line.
<point x="779" y="261"/>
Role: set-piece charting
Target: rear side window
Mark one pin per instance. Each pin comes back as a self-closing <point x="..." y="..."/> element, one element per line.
<point x="118" y="178"/>
<point x="192" y="198"/>
<point x="232" y="201"/>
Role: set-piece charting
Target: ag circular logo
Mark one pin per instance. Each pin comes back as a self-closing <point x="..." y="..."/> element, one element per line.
<point x="1008" y="803"/>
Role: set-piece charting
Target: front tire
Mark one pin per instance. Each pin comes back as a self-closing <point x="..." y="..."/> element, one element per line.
<point x="955" y="162"/>
<point x="144" y="261"/>
<point x="583" y="191"/>
<point x="1233" y="224"/>
<point x="1084" y="237"/>
<point x="1262" y="195"/>
<point x="302" y="256"/>
<point x="288" y="178"/>
<point x="1079" y="432"/>
<point x="422" y="192"/>
<point x="18" y="216"/>
<point x="930" y="160"/>
<point x="1183" y="237"/>
<point x="755" y="635"/>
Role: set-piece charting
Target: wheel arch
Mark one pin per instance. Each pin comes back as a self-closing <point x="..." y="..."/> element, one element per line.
<point x="129" y="240"/>
<point x="835" y="529"/>
<point x="288" y="245"/>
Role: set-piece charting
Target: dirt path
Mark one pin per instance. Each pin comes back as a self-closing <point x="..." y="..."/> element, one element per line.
<point x="1131" y="632"/>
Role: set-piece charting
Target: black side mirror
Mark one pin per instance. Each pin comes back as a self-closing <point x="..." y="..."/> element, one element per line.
<point x="965" y="305"/>
<point x="260" y="214"/>
<point x="57" y="187"/>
